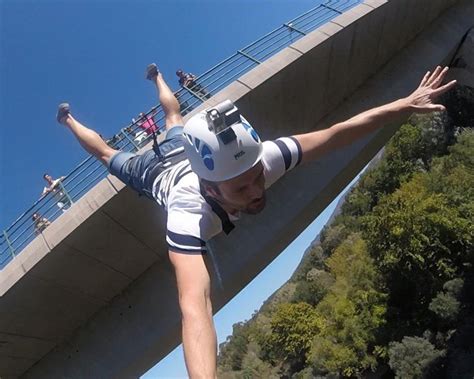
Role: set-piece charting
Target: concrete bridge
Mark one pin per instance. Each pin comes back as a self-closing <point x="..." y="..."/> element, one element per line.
<point x="94" y="296"/>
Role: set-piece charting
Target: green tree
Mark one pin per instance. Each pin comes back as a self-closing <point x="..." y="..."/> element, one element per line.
<point x="283" y="295"/>
<point x="401" y="158"/>
<point x="445" y="306"/>
<point x="312" y="289"/>
<point x="232" y="351"/>
<point x="410" y="150"/>
<point x="410" y="358"/>
<point x="350" y="314"/>
<point x="293" y="326"/>
<point x="418" y="240"/>
<point x="453" y="175"/>
<point x="255" y="368"/>
<point x="331" y="237"/>
<point x="314" y="257"/>
<point x="454" y="287"/>
<point x="306" y="373"/>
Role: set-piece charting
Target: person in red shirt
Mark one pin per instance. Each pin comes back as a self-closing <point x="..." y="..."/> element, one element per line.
<point x="147" y="123"/>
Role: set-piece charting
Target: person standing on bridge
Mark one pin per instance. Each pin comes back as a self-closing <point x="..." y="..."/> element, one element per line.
<point x="188" y="80"/>
<point x="147" y="122"/>
<point x="216" y="168"/>
<point x="40" y="223"/>
<point x="55" y="187"/>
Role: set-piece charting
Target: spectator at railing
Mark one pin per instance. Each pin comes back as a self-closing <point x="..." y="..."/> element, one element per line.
<point x="147" y="122"/>
<point x="147" y="125"/>
<point x="112" y="141"/>
<point x="40" y="223"/>
<point x="55" y="187"/>
<point x="188" y="80"/>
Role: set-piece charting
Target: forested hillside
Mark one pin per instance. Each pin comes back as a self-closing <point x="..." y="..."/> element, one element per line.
<point x="387" y="289"/>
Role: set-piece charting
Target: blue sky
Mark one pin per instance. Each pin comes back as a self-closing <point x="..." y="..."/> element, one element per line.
<point x="93" y="55"/>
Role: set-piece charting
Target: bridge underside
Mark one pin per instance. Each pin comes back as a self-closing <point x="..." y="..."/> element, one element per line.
<point x="95" y="295"/>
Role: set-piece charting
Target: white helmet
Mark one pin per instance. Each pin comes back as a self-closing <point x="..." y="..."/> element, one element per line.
<point x="220" y="143"/>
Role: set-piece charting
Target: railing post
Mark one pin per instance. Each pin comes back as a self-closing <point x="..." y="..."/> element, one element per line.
<point x="249" y="57"/>
<point x="130" y="140"/>
<point x="10" y="247"/>
<point x="291" y="27"/>
<point x="63" y="190"/>
<point x="194" y="94"/>
<point x="331" y="8"/>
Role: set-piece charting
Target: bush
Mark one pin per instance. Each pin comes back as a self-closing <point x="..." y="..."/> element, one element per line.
<point x="445" y="306"/>
<point x="314" y="288"/>
<point x="411" y="357"/>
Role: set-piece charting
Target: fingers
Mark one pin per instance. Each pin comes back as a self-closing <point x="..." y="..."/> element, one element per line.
<point x="434" y="76"/>
<point x="437" y="81"/>
<point x="425" y="79"/>
<point x="431" y="108"/>
<point x="438" y="108"/>
<point x="443" y="89"/>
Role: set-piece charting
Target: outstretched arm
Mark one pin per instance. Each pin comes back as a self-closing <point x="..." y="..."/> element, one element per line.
<point x="422" y="100"/>
<point x="199" y="336"/>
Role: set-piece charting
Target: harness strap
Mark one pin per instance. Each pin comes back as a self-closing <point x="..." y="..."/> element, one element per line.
<point x="227" y="225"/>
<point x="156" y="147"/>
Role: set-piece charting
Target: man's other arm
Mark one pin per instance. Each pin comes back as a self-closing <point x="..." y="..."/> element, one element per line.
<point x="46" y="190"/>
<point x="422" y="100"/>
<point x="199" y="336"/>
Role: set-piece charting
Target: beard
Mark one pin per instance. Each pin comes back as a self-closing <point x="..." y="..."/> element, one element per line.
<point x="255" y="206"/>
<point x="252" y="208"/>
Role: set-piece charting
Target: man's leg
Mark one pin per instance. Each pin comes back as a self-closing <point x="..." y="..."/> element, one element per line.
<point x="168" y="101"/>
<point x="88" y="138"/>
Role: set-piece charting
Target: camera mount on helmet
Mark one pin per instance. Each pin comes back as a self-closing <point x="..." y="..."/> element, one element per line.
<point x="221" y="118"/>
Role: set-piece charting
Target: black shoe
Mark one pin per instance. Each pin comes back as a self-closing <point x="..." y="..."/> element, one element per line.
<point x="63" y="111"/>
<point x="151" y="71"/>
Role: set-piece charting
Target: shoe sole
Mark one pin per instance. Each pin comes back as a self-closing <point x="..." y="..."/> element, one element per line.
<point x="151" y="71"/>
<point x="63" y="111"/>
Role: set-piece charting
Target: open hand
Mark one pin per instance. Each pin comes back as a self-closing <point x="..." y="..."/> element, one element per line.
<point x="423" y="99"/>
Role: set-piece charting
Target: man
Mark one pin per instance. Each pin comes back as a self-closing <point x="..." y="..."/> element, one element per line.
<point x="40" y="223"/>
<point x="54" y="187"/>
<point x="188" y="80"/>
<point x="225" y="170"/>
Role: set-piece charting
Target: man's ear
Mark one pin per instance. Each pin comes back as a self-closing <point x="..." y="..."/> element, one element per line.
<point x="212" y="189"/>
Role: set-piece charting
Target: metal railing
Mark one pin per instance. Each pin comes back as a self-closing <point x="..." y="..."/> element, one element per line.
<point x="132" y="137"/>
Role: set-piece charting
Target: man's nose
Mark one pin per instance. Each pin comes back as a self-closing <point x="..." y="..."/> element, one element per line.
<point x="255" y="192"/>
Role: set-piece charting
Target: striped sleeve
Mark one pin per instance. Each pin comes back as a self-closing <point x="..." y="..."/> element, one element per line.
<point x="191" y="220"/>
<point x="187" y="244"/>
<point x="280" y="156"/>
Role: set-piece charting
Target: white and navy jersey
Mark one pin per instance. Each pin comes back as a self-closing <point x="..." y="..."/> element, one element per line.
<point x="193" y="217"/>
